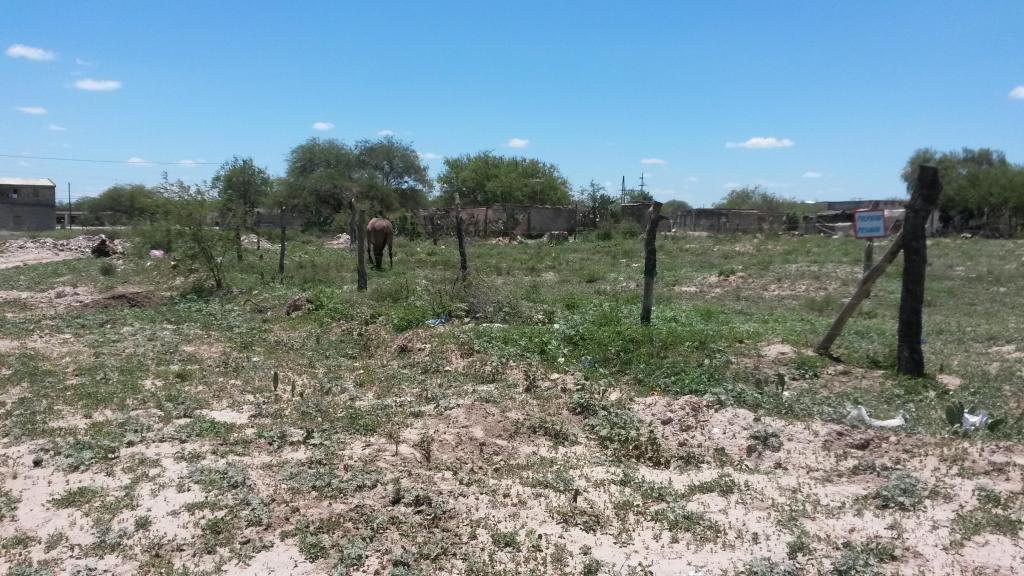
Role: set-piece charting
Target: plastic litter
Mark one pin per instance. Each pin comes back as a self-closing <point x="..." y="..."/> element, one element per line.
<point x="156" y="254"/>
<point x="859" y="415"/>
<point x="977" y="421"/>
<point x="439" y="321"/>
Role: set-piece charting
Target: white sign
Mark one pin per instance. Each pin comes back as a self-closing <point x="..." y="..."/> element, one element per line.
<point x="869" y="224"/>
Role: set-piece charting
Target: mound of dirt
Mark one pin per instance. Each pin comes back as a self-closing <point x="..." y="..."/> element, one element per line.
<point x="339" y="241"/>
<point x="122" y="299"/>
<point x="23" y="251"/>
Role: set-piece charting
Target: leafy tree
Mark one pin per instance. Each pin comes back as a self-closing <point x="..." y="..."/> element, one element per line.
<point x="485" y="178"/>
<point x="401" y="177"/>
<point x="242" y="187"/>
<point x="976" y="182"/>
<point x="757" y="198"/>
<point x="597" y="203"/>
<point x="122" y="204"/>
<point x="189" y="209"/>
<point x="636" y="196"/>
<point x="674" y="206"/>
<point x="322" y="176"/>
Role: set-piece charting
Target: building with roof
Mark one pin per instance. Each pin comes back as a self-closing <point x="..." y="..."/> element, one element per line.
<point x="27" y="204"/>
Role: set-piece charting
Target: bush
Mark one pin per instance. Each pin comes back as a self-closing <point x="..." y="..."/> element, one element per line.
<point x="107" y="268"/>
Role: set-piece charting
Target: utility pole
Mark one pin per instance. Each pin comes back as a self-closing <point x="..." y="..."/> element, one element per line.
<point x="642" y="182"/>
<point x="68" y="215"/>
<point x="622" y="195"/>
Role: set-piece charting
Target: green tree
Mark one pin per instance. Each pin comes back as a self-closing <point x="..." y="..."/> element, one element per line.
<point x="673" y="206"/>
<point x="976" y="182"/>
<point x="242" y="187"/>
<point x="122" y="204"/>
<point x="485" y="178"/>
<point x="322" y="176"/>
<point x="597" y="203"/>
<point x="189" y="209"/>
<point x="637" y="196"/>
<point x="401" y="178"/>
<point x="757" y="198"/>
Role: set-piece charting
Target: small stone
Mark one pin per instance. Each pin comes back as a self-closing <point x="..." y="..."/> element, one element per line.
<point x="37" y="460"/>
<point x="667" y="419"/>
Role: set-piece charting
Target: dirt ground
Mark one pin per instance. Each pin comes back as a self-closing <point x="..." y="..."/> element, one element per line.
<point x="22" y="252"/>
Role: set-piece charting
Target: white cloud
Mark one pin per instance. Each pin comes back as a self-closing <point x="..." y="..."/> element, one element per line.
<point x="653" y="161"/>
<point x="384" y="133"/>
<point x="323" y="126"/>
<point x="812" y="174"/>
<point x="762" y="142"/>
<point x="429" y="156"/>
<point x="56" y="128"/>
<point x="33" y="110"/>
<point x="82" y="62"/>
<point x="517" y="143"/>
<point x="187" y="162"/>
<point x="29" y="53"/>
<point x="1017" y="93"/>
<point x="93" y="85"/>
<point x="136" y="160"/>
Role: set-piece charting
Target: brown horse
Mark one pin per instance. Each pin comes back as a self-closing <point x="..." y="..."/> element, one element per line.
<point x="379" y="233"/>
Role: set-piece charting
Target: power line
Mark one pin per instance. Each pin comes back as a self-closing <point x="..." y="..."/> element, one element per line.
<point x="93" y="161"/>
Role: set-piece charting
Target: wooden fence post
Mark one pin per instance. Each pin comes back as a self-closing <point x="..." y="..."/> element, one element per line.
<point x="460" y="235"/>
<point x="869" y="254"/>
<point x="280" y="260"/>
<point x="360" y="250"/>
<point x="923" y="198"/>
<point x="650" y="261"/>
<point x="353" y="239"/>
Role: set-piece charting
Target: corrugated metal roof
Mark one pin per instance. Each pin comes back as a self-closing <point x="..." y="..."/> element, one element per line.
<point x="26" y="182"/>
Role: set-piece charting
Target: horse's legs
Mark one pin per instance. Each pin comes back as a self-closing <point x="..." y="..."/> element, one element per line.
<point x="391" y="259"/>
<point x="369" y="255"/>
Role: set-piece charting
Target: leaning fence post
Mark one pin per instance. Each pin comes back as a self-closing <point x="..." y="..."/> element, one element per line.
<point x="923" y="199"/>
<point x="280" y="260"/>
<point x="862" y="292"/>
<point x="869" y="254"/>
<point x="360" y="251"/>
<point x="650" y="261"/>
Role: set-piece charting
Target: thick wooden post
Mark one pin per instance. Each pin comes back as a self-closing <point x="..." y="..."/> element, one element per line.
<point x="360" y="251"/>
<point x="650" y="261"/>
<point x="869" y="254"/>
<point x="863" y="291"/>
<point x="280" y="260"/>
<point x="460" y="235"/>
<point x="924" y="197"/>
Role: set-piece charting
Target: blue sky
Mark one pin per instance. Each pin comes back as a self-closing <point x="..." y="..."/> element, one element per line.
<point x="816" y="100"/>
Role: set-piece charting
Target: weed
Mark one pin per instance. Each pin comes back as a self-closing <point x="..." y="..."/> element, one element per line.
<point x="618" y="428"/>
<point x="8" y="504"/>
<point x="505" y="540"/>
<point x="768" y="567"/>
<point x="765" y="439"/>
<point x="865" y="559"/>
<point x="903" y="491"/>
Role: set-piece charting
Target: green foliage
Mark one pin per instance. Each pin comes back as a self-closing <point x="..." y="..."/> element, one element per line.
<point x="618" y="428"/>
<point x="903" y="491"/>
<point x="8" y="504"/>
<point x="323" y="175"/>
<point x="485" y="179"/>
<point x="865" y="559"/>
<point x="757" y="198"/>
<point x="107" y="268"/>
<point x="242" y="187"/>
<point x="768" y="567"/>
<point x="195" y="240"/>
<point x="121" y="205"/>
<point x="975" y="182"/>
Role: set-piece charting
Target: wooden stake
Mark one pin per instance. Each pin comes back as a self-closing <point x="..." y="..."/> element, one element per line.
<point x="360" y="251"/>
<point x="352" y="233"/>
<point x="650" y="261"/>
<point x="280" y="261"/>
<point x="862" y="292"/>
<point x="923" y="199"/>
<point x="869" y="254"/>
<point x="460" y="235"/>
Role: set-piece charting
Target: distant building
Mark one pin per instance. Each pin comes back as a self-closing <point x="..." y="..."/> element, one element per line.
<point x="27" y="204"/>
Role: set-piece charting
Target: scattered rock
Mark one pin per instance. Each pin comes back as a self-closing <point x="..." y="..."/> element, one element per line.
<point x="37" y="460"/>
<point x="340" y="241"/>
<point x="296" y="304"/>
